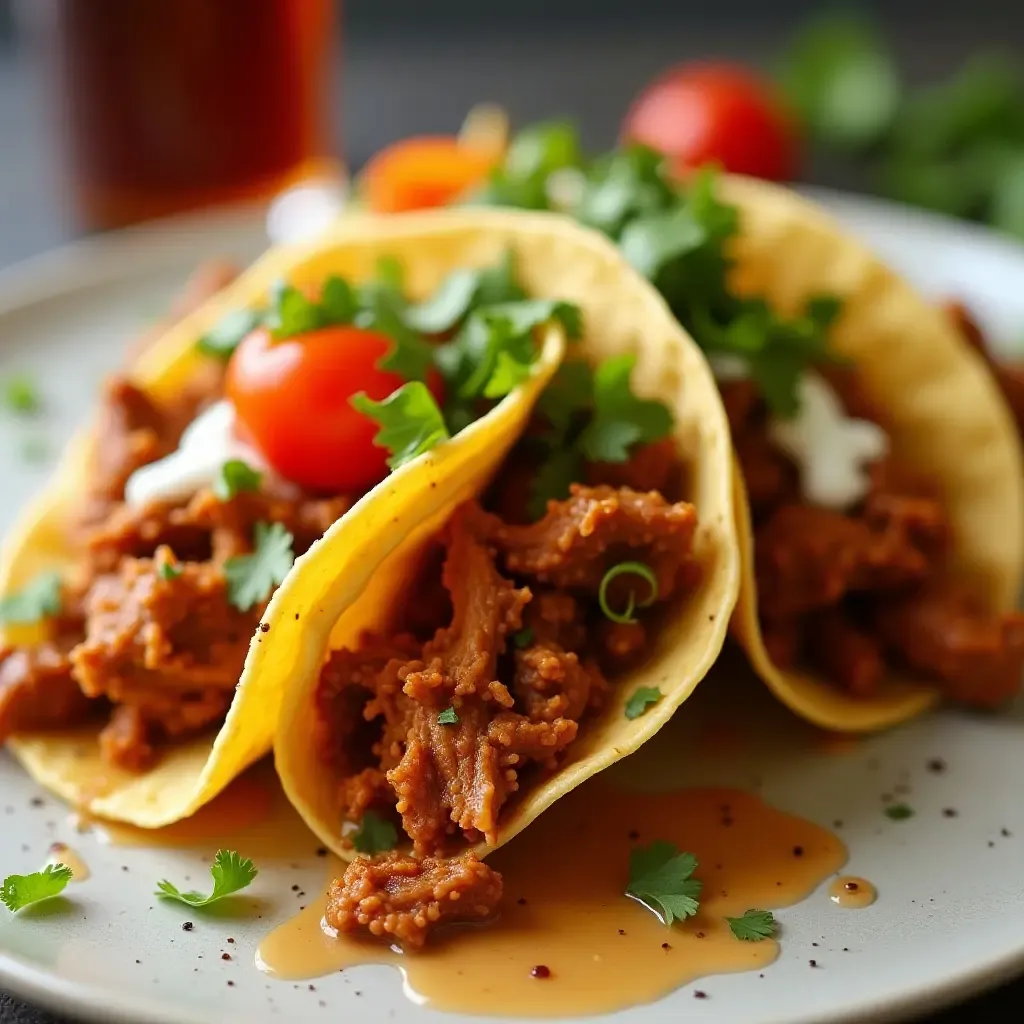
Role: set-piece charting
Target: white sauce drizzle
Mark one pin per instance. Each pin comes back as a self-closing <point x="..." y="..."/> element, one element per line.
<point x="831" y="450"/>
<point x="208" y="442"/>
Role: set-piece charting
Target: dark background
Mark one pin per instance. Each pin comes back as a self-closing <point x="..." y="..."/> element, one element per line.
<point x="413" y="66"/>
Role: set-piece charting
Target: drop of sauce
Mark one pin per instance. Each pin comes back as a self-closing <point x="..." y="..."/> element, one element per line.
<point x="61" y="853"/>
<point x="852" y="893"/>
<point x="565" y="876"/>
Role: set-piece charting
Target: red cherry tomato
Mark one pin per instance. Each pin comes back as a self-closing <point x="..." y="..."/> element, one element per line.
<point x="292" y="399"/>
<point x="716" y="113"/>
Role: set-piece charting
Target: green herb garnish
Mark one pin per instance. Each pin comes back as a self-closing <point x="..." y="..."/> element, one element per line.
<point x="523" y="638"/>
<point x="660" y="878"/>
<point x="633" y="569"/>
<point x="753" y="926"/>
<point x="410" y="421"/>
<point x="899" y="812"/>
<point x="251" y="578"/>
<point x="234" y="477"/>
<point x="38" y="600"/>
<point x="168" y="570"/>
<point x="231" y="873"/>
<point x="23" y="890"/>
<point x="448" y="717"/>
<point x="222" y="340"/>
<point x="374" y="835"/>
<point x="21" y="395"/>
<point x="640" y="700"/>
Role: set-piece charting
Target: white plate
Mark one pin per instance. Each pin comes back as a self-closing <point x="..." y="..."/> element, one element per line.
<point x="947" y="921"/>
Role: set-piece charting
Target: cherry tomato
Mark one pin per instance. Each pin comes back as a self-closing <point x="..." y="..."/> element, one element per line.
<point x="292" y="399"/>
<point x="719" y="113"/>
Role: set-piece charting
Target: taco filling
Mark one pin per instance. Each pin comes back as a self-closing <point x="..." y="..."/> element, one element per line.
<point x="535" y="604"/>
<point x="195" y="508"/>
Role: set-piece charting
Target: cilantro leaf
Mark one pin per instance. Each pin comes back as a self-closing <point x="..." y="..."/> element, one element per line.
<point x="640" y="700"/>
<point x="410" y="421"/>
<point x="39" y="599"/>
<point x="560" y="469"/>
<point x="620" y="419"/>
<point x="234" y="477"/>
<point x="227" y="334"/>
<point x="168" y="571"/>
<point x="899" y="812"/>
<point x="753" y="926"/>
<point x="251" y="578"/>
<point x="541" y="149"/>
<point x="625" y="184"/>
<point x="291" y="312"/>
<point x="337" y="301"/>
<point x="509" y="373"/>
<point x="523" y="638"/>
<point x="231" y="873"/>
<point x="384" y="310"/>
<point x="648" y="243"/>
<point x="22" y="890"/>
<point x="21" y="395"/>
<point x="374" y="835"/>
<point x="659" y="877"/>
<point x="448" y="717"/>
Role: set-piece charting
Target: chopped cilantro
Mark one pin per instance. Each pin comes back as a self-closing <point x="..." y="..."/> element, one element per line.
<point x="374" y="835"/>
<point x="225" y="336"/>
<point x="523" y="638"/>
<point x="37" y="600"/>
<point x="337" y="301"/>
<point x="411" y="354"/>
<point x="292" y="312"/>
<point x="640" y="700"/>
<point x="251" y="578"/>
<point x="753" y="926"/>
<point x="168" y="570"/>
<point x="21" y="395"/>
<point x="541" y="149"/>
<point x="660" y="878"/>
<point x="231" y="873"/>
<point x="648" y="243"/>
<point x="620" y="419"/>
<point x="234" y="477"/>
<point x="410" y="421"/>
<point x="631" y="569"/>
<point x="899" y="812"/>
<point x="448" y="717"/>
<point x="22" y="890"/>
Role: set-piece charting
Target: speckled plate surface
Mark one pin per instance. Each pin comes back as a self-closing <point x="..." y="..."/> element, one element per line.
<point x="950" y="879"/>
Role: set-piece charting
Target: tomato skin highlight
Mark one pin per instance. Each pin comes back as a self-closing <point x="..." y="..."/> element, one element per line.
<point x="716" y="113"/>
<point x="291" y="398"/>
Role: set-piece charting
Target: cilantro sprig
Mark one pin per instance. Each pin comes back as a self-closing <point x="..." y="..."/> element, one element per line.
<point x="20" y="891"/>
<point x="642" y="698"/>
<point x="410" y="422"/>
<point x="251" y="578"/>
<point x="753" y="925"/>
<point x="37" y="600"/>
<point x="235" y="477"/>
<point x="231" y="873"/>
<point x="374" y="835"/>
<point x="660" y="877"/>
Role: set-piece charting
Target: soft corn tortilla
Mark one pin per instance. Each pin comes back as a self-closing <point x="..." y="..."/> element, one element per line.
<point x="947" y="419"/>
<point x="622" y="313"/>
<point x="339" y="566"/>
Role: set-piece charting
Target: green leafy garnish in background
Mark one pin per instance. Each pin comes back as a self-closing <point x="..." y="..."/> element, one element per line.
<point x="660" y="878"/>
<point x="251" y="578"/>
<point x="235" y="476"/>
<point x="21" y="395"/>
<point x="231" y="873"/>
<point x="374" y="835"/>
<point x="38" y="600"/>
<point x="23" y="890"/>
<point x="222" y="340"/>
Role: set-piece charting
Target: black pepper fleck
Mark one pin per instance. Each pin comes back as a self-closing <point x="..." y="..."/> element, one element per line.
<point x="846" y="949"/>
<point x="521" y="901"/>
<point x="312" y="988"/>
<point x="187" y="926"/>
<point x="936" y="764"/>
<point x="700" y="935"/>
<point x="837" y="823"/>
<point x="138" y="961"/>
<point x="949" y="812"/>
<point x="798" y="851"/>
<point x="813" y="963"/>
<point x="540" y="971"/>
<point x="295" y="888"/>
<point x="321" y="851"/>
<point x="264" y="627"/>
<point x="1005" y="833"/>
<point x="622" y="931"/>
<point x="231" y="984"/>
<point x="124" y="867"/>
<point x="633" y="834"/>
<point x="296" y="616"/>
<point x="37" y="801"/>
<point x="700" y="995"/>
<point x="991" y="843"/>
<point x="813" y="943"/>
<point x="665" y="945"/>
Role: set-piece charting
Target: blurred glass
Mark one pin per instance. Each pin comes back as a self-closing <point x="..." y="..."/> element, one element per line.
<point x="170" y="105"/>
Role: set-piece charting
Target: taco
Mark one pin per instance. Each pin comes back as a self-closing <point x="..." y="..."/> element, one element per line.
<point x="146" y="642"/>
<point x="880" y="485"/>
<point x="548" y="613"/>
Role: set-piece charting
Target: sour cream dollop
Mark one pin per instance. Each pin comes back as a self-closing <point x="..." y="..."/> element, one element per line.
<point x="208" y="442"/>
<point x="831" y="450"/>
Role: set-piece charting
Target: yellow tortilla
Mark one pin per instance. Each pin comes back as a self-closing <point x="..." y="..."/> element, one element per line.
<point x="192" y="773"/>
<point x="622" y="313"/>
<point x="947" y="417"/>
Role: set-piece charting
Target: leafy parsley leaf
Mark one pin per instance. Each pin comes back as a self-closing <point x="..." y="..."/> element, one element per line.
<point x="659" y="877"/>
<point x="38" y="600"/>
<point x="21" y="395"/>
<point x="410" y="421"/>
<point x="337" y="301"/>
<point x="620" y="419"/>
<point x="225" y="336"/>
<point x="640" y="700"/>
<point x="251" y="578"/>
<point x="374" y="835"/>
<point x="625" y="184"/>
<point x="648" y="243"/>
<point x="291" y="312"/>
<point x="448" y="717"/>
<point x="541" y="149"/>
<point x="899" y="812"/>
<point x="753" y="926"/>
<point x="230" y="872"/>
<point x="22" y="890"/>
<point x="168" y="571"/>
<point x="234" y="477"/>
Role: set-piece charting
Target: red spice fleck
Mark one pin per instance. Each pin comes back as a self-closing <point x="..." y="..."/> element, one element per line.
<point x="225" y="956"/>
<point x="232" y="941"/>
<point x="851" y="887"/>
<point x="700" y="935"/>
<point x="622" y="931"/>
<point x="700" y="995"/>
<point x="231" y="984"/>
<point x="264" y="627"/>
<point x="540" y="971"/>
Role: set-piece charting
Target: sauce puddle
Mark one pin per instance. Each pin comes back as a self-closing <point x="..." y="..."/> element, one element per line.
<point x="852" y="893"/>
<point x="61" y="853"/>
<point x="564" y="908"/>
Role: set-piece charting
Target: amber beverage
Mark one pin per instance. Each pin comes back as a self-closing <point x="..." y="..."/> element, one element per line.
<point x="170" y="105"/>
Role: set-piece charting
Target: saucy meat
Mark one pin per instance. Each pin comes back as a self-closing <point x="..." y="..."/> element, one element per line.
<point x="496" y="694"/>
<point x="855" y="593"/>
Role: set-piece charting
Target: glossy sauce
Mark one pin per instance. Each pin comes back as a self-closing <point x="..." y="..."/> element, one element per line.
<point x="61" y="853"/>
<point x="564" y="908"/>
<point x="852" y="893"/>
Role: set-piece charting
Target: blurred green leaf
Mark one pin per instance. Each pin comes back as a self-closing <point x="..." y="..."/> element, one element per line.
<point x="1007" y="202"/>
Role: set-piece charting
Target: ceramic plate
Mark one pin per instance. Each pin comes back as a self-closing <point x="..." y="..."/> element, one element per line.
<point x="951" y="890"/>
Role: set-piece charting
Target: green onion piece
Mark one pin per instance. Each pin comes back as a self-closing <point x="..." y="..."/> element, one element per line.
<point x="636" y="569"/>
